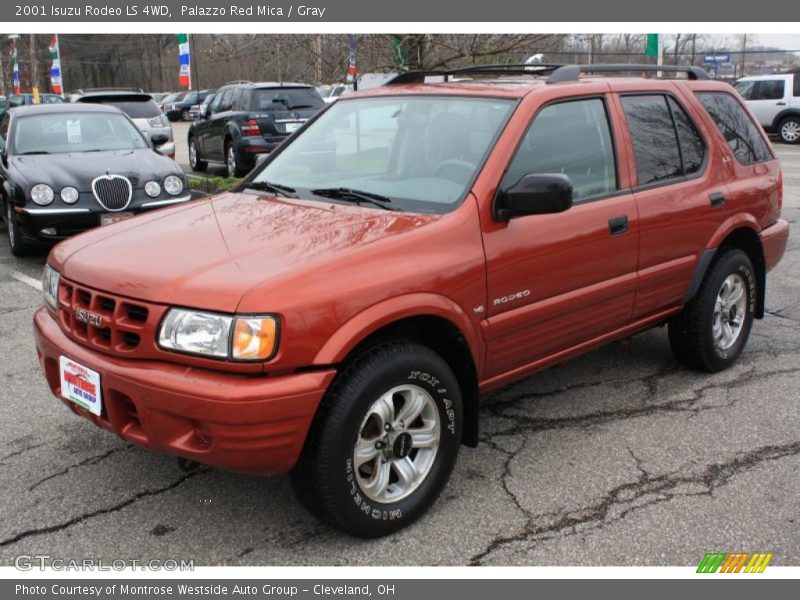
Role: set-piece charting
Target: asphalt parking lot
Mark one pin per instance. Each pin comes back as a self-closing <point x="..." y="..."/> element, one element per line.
<point x="620" y="457"/>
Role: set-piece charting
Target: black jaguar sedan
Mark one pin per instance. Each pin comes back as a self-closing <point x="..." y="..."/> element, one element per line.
<point x="65" y="168"/>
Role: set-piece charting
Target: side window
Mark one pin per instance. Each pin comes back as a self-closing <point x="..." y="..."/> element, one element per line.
<point x="743" y="136"/>
<point x="573" y="138"/>
<point x="655" y="142"/>
<point x="690" y="142"/>
<point x="796" y="86"/>
<point x="226" y="101"/>
<point x="769" y="89"/>
<point x="215" y="103"/>
<point x="4" y="122"/>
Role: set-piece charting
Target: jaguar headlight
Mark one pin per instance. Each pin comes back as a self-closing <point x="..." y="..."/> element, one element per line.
<point x="69" y="195"/>
<point x="173" y="185"/>
<point x="42" y="194"/>
<point x="216" y="335"/>
<point x="152" y="189"/>
<point x="50" y="281"/>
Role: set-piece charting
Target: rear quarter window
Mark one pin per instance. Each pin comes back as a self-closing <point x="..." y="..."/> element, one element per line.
<point x="744" y="137"/>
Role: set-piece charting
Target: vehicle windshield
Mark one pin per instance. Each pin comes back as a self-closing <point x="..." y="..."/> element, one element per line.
<point x="421" y="152"/>
<point x="75" y="132"/>
<point x="285" y="99"/>
<point x="174" y="97"/>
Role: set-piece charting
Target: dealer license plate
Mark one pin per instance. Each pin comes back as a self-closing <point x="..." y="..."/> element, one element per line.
<point x="81" y="385"/>
<point x="111" y="218"/>
<point x="293" y="126"/>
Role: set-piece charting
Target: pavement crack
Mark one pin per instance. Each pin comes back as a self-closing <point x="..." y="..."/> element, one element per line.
<point x="22" y="451"/>
<point x="102" y="511"/>
<point x="87" y="461"/>
<point x="645" y="491"/>
<point x="523" y="424"/>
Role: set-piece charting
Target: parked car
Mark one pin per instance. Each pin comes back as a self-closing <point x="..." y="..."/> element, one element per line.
<point x="248" y="119"/>
<point x="158" y="96"/>
<point x="775" y="101"/>
<point x="28" y="99"/>
<point x="170" y="98"/>
<point x="66" y="168"/>
<point x="178" y="109"/>
<point x="331" y="93"/>
<point x="338" y="314"/>
<point x="144" y="112"/>
<point x="197" y="109"/>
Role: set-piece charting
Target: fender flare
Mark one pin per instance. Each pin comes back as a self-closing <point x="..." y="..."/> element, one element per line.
<point x="786" y="112"/>
<point x="738" y="221"/>
<point x="370" y="320"/>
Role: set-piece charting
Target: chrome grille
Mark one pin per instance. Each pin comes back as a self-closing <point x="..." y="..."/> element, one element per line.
<point x="112" y="192"/>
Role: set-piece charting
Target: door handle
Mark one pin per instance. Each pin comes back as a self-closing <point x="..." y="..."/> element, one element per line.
<point x="716" y="199"/>
<point x="781" y="103"/>
<point x="618" y="225"/>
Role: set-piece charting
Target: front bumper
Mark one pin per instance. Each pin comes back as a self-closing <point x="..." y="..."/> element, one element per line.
<point x="773" y="240"/>
<point x="68" y="221"/>
<point x="250" y="424"/>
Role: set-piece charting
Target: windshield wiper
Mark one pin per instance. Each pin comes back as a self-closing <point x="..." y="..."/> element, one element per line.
<point x="275" y="188"/>
<point x="296" y="106"/>
<point x="33" y="152"/>
<point x="357" y="196"/>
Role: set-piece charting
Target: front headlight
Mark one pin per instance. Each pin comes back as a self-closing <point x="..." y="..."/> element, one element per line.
<point x="173" y="185"/>
<point x="50" y="280"/>
<point x="219" y="336"/>
<point x="152" y="189"/>
<point x="42" y="194"/>
<point x="69" y="195"/>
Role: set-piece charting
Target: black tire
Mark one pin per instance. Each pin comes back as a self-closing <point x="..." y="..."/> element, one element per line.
<point x="195" y="162"/>
<point x="184" y="115"/>
<point x="691" y="332"/>
<point x="19" y="247"/>
<point x="236" y="169"/>
<point x="789" y="130"/>
<point x="324" y="478"/>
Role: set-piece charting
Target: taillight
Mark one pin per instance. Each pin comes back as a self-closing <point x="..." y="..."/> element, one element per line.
<point x="251" y="128"/>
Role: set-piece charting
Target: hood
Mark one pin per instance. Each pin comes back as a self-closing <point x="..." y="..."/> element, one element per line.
<point x="208" y="254"/>
<point x="80" y="168"/>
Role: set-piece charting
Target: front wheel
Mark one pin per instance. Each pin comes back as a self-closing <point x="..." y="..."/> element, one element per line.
<point x="384" y="442"/>
<point x="711" y="332"/>
<point x="19" y="247"/>
<point x="789" y="130"/>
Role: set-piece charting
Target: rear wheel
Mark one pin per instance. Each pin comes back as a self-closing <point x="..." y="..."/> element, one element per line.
<point x="232" y="162"/>
<point x="195" y="160"/>
<point x="789" y="130"/>
<point x="384" y="442"/>
<point x="711" y="332"/>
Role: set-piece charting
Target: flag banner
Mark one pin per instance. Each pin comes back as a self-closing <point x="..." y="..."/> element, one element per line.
<point x="351" y="67"/>
<point x="15" y="68"/>
<point x="652" y="45"/>
<point x="55" y="66"/>
<point x="184" y="61"/>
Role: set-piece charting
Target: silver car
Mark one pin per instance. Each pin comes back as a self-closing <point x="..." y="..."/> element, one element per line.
<point x="144" y="112"/>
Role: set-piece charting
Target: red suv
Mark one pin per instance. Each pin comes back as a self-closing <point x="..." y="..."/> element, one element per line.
<point x="411" y="247"/>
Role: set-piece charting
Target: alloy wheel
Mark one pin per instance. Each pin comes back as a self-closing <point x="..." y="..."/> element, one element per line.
<point x="790" y="131"/>
<point x="397" y="444"/>
<point x="729" y="311"/>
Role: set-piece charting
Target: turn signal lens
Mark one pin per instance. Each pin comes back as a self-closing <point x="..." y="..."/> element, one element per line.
<point x="254" y="338"/>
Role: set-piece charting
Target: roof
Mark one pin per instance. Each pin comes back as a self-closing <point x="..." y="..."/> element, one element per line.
<point x="114" y="94"/>
<point x="763" y="77"/>
<point x="65" y="107"/>
<point x="269" y="84"/>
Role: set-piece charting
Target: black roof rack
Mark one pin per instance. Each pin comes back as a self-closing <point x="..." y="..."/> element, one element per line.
<point x="501" y="69"/>
<point x="572" y="72"/>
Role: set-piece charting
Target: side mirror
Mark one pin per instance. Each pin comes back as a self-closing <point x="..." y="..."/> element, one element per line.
<point x="159" y="138"/>
<point x="534" y="194"/>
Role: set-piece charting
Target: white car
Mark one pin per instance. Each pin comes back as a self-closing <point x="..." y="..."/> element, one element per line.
<point x="331" y="93"/>
<point x="775" y="101"/>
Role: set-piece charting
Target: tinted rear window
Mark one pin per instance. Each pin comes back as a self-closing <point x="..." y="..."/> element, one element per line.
<point x="285" y="99"/>
<point x="144" y="108"/>
<point x="743" y="136"/>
